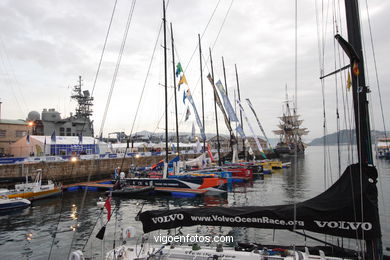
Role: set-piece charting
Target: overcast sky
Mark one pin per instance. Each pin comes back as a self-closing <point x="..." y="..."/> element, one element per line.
<point x="46" y="45"/>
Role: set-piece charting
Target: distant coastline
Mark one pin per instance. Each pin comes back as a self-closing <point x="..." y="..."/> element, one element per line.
<point x="344" y="136"/>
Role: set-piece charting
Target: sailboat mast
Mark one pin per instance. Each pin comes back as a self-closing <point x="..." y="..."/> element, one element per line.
<point x="165" y="83"/>
<point x="226" y="89"/>
<point x="360" y="102"/>
<point x="174" y="89"/>
<point x="201" y="88"/>
<point x="239" y="99"/>
<point x="215" y="109"/>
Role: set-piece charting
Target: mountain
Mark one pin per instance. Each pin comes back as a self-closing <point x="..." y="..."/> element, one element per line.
<point x="345" y="136"/>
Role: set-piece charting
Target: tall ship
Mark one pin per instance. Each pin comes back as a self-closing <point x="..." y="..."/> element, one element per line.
<point x="290" y="131"/>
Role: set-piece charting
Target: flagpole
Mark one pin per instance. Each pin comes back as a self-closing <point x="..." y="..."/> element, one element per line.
<point x="174" y="89"/>
<point x="201" y="87"/>
<point x="215" y="109"/>
<point x="239" y="99"/>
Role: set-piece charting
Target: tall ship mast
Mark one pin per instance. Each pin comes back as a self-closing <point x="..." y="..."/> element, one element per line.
<point x="290" y="131"/>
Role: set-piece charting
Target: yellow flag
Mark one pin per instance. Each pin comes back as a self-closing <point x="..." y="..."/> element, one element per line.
<point x="349" y="83"/>
<point x="183" y="80"/>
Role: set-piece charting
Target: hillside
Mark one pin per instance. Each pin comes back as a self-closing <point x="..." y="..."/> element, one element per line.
<point x="345" y="136"/>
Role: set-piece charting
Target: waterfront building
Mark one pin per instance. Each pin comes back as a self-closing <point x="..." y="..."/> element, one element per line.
<point x="10" y="132"/>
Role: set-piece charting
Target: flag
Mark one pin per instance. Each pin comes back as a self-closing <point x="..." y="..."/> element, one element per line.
<point x="28" y="138"/>
<point x="179" y="69"/>
<point x="107" y="205"/>
<point x="349" y="83"/>
<point x="183" y="80"/>
<point x="209" y="152"/>
<point x="188" y="113"/>
<point x="185" y="96"/>
<point x="355" y="69"/>
<point x="53" y="136"/>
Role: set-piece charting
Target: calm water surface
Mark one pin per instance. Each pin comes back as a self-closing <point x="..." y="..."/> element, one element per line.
<point x="29" y="234"/>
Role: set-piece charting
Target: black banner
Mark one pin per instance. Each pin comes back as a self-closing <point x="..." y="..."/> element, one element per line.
<point x="337" y="211"/>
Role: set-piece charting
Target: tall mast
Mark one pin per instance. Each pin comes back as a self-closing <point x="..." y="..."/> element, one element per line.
<point x="360" y="102"/>
<point x="215" y="109"/>
<point x="174" y="89"/>
<point x="165" y="84"/>
<point x="239" y="98"/>
<point x="201" y="87"/>
<point x="226" y="89"/>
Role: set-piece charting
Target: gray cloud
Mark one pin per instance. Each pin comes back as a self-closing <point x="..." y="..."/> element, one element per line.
<point x="50" y="43"/>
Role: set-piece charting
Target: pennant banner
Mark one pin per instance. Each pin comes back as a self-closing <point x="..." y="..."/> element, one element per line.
<point x="226" y="102"/>
<point x="258" y="122"/>
<point x="182" y="81"/>
<point x="188" y="113"/>
<point x="179" y="69"/>
<point x="349" y="82"/>
<point x="253" y="132"/>
<point x="191" y="100"/>
<point x="219" y="103"/>
<point x="53" y="136"/>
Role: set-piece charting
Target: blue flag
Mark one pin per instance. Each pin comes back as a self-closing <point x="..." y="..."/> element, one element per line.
<point x="53" y="136"/>
<point x="184" y="97"/>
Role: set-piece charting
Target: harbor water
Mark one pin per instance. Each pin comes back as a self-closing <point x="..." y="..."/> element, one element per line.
<point x="47" y="229"/>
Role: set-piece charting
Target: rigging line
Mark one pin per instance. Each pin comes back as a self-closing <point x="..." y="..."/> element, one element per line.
<point x="146" y="78"/>
<point x="381" y="105"/>
<point x="223" y="23"/>
<point x="130" y="15"/>
<point x="336" y="90"/>
<point x="98" y="218"/>
<point x="6" y="81"/>
<point x="129" y="18"/>
<point x="104" y="48"/>
<point x="12" y="73"/>
<point x="296" y="86"/>
<point x="201" y="36"/>
<point x="213" y="45"/>
<point x="58" y="222"/>
<point x="376" y="68"/>
<point x="360" y="163"/>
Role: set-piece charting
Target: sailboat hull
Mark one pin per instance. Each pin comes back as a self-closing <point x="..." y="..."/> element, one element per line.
<point x="212" y="185"/>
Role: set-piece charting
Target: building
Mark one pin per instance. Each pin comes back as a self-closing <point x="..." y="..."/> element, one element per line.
<point x="10" y="132"/>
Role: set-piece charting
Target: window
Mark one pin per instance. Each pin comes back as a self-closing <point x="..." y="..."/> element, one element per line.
<point x="3" y="133"/>
<point x="20" y="133"/>
<point x="62" y="131"/>
<point x="68" y="131"/>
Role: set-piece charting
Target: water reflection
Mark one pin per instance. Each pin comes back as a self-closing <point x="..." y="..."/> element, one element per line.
<point x="29" y="234"/>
